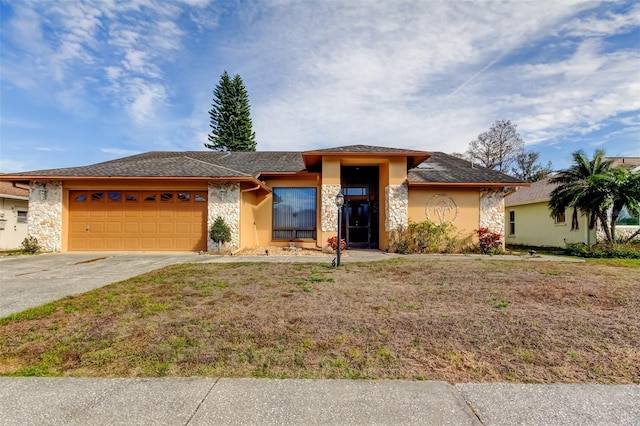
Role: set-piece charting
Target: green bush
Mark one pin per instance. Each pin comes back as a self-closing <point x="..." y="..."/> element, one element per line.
<point x="604" y="251"/>
<point x="220" y="231"/>
<point x="30" y="245"/>
<point x="427" y="237"/>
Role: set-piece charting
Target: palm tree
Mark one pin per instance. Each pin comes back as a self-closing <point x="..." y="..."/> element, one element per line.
<point x="582" y="187"/>
<point x="593" y="188"/>
<point x="624" y="185"/>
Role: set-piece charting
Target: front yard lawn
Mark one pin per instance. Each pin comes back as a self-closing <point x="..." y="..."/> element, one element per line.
<point x="459" y="321"/>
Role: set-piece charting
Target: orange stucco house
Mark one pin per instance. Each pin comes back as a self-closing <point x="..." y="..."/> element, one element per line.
<point x="166" y="201"/>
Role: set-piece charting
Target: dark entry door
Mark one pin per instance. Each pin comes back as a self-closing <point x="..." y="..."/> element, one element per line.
<point x="360" y="189"/>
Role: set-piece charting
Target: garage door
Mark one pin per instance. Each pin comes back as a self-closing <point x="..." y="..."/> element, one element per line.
<point x="137" y="220"/>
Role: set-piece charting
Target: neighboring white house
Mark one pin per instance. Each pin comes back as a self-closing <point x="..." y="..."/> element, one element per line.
<point x="529" y="222"/>
<point x="14" y="202"/>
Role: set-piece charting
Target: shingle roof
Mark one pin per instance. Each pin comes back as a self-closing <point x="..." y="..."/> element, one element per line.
<point x="364" y="149"/>
<point x="7" y="188"/>
<point x="538" y="192"/>
<point x="439" y="168"/>
<point x="185" y="164"/>
<point x="447" y="169"/>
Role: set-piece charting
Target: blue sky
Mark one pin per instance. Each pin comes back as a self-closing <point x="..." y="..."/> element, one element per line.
<point x="84" y="82"/>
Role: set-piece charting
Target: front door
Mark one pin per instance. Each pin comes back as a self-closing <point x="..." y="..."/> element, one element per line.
<point x="360" y="214"/>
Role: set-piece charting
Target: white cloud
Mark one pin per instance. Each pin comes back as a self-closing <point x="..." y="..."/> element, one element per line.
<point x="612" y="23"/>
<point x="119" y="151"/>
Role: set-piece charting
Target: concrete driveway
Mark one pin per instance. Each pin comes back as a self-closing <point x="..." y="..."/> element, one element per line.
<point x="29" y="281"/>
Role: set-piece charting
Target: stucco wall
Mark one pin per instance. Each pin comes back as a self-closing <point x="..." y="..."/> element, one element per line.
<point x="224" y="201"/>
<point x="258" y="209"/>
<point x="460" y="207"/>
<point x="535" y="227"/>
<point x="45" y="214"/>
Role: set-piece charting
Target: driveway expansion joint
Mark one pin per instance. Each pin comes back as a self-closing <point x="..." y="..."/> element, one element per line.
<point x="202" y="401"/>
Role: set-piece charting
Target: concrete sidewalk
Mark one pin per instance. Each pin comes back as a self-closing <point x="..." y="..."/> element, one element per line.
<point x="210" y="401"/>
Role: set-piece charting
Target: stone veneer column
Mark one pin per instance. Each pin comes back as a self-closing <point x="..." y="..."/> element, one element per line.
<point x="44" y="216"/>
<point x="224" y="201"/>
<point x="397" y="207"/>
<point x="492" y="210"/>
<point x="329" y="211"/>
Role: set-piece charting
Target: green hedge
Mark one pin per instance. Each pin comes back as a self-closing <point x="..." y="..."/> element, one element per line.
<point x="617" y="251"/>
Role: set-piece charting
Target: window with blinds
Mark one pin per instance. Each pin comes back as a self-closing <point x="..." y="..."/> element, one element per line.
<point x="294" y="213"/>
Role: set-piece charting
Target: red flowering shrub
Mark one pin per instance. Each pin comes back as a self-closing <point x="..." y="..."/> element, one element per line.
<point x="333" y="243"/>
<point x="490" y="242"/>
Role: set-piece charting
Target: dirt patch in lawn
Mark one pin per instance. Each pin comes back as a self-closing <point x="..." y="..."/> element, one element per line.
<point x="459" y="321"/>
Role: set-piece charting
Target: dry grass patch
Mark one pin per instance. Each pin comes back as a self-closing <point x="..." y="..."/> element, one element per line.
<point x="459" y="321"/>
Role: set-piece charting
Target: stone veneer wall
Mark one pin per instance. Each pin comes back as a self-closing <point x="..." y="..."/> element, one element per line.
<point x="492" y="210"/>
<point x="44" y="217"/>
<point x="622" y="233"/>
<point x="224" y="201"/>
<point x="397" y="207"/>
<point x="329" y="211"/>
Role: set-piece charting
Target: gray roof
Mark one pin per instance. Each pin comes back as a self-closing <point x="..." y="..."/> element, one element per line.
<point x="439" y="168"/>
<point x="185" y="164"/>
<point x="364" y="149"/>
<point x="538" y="192"/>
<point x="447" y="169"/>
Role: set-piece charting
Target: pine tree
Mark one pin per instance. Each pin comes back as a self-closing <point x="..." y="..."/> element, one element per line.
<point x="231" y="127"/>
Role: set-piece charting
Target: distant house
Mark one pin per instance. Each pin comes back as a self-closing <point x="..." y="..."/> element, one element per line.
<point x="14" y="202"/>
<point x="169" y="200"/>
<point x="528" y="219"/>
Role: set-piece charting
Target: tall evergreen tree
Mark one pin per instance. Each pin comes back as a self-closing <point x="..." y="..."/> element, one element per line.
<point x="231" y="127"/>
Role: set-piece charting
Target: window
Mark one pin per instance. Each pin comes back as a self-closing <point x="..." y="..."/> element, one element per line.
<point x="626" y="218"/>
<point x="512" y="222"/>
<point x="166" y="196"/>
<point x="184" y="196"/>
<point x="22" y="216"/>
<point x="115" y="196"/>
<point x="199" y="198"/>
<point x="561" y="219"/>
<point x="294" y="213"/>
<point x="97" y="196"/>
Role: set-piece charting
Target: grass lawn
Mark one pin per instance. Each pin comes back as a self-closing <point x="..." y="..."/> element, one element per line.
<point x="459" y="321"/>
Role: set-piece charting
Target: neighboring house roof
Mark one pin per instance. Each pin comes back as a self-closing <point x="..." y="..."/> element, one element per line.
<point x="630" y="162"/>
<point x="8" y="190"/>
<point x="538" y="192"/>
<point x="442" y="168"/>
<point x="427" y="168"/>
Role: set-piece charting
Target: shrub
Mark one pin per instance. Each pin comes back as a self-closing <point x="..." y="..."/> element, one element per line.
<point x="30" y="245"/>
<point x="220" y="231"/>
<point x="427" y="237"/>
<point x="333" y="243"/>
<point x="601" y="251"/>
<point x="489" y="242"/>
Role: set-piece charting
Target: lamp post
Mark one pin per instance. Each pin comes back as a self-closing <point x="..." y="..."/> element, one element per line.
<point x="339" y="204"/>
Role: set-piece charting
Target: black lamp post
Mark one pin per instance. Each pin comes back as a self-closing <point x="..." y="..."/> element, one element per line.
<point x="339" y="204"/>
